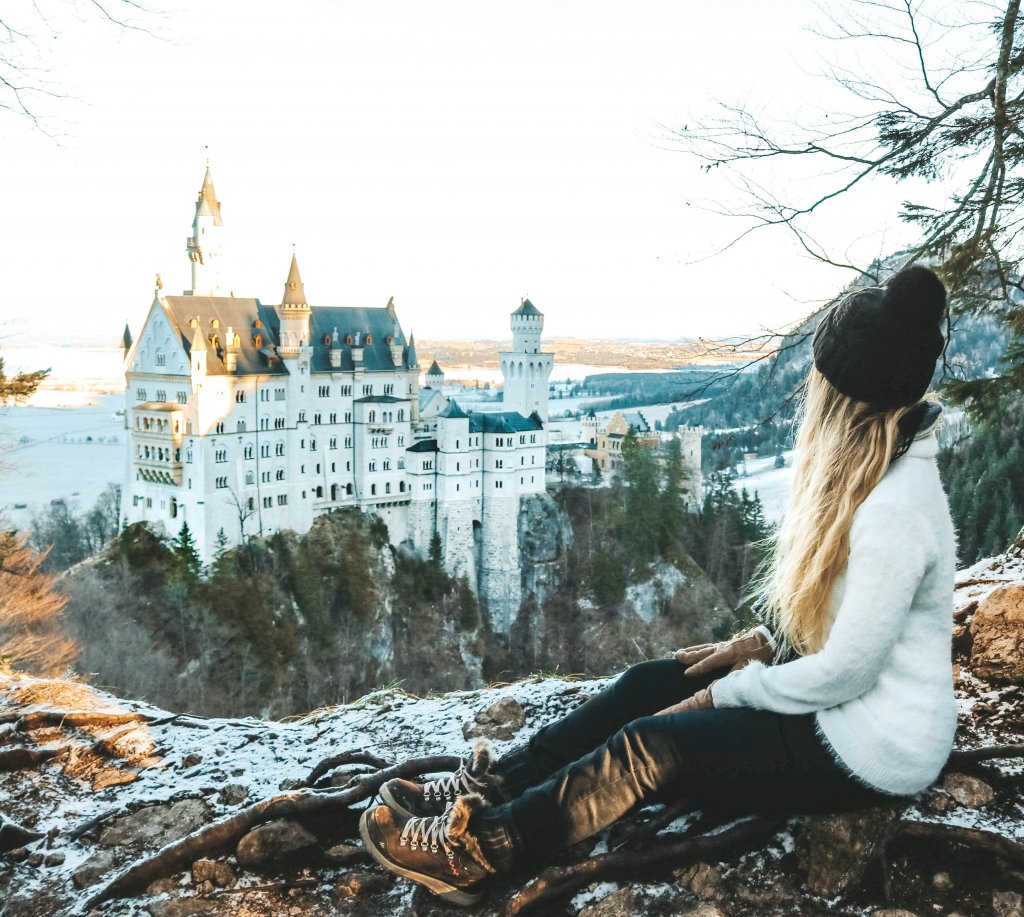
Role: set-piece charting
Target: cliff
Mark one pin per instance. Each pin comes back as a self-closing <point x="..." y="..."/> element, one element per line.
<point x="254" y="817"/>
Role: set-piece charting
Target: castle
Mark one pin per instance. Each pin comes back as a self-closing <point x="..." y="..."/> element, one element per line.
<point x="246" y="418"/>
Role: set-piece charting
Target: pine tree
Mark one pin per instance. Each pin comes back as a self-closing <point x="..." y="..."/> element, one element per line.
<point x="672" y="507"/>
<point x="640" y="510"/>
<point x="184" y="547"/>
<point x="220" y="545"/>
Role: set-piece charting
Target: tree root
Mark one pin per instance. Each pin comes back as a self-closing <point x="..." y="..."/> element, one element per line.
<point x="16" y="759"/>
<point x="978" y="838"/>
<point x="228" y="831"/>
<point x="559" y="881"/>
<point x="346" y="757"/>
<point x="36" y="719"/>
<point x="985" y="753"/>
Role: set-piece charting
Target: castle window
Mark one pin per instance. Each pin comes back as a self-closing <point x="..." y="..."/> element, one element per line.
<point x="246" y="452"/>
<point x="389" y="389"/>
<point x="373" y="490"/>
<point x="240" y="426"/>
<point x="319" y="493"/>
<point x="401" y="414"/>
<point x="221" y="455"/>
<point x="348" y="489"/>
<point x="161" y="394"/>
<point x="279" y="423"/>
<point x="264" y="423"/>
<point x="280" y="474"/>
<point x="265" y="477"/>
<point x="240" y="396"/>
<point x="316" y="418"/>
<point x="250" y="478"/>
<point x="182" y="398"/>
<point x="264" y="394"/>
<point x="372" y="417"/>
<point x="348" y="442"/>
<point x="387" y="464"/>
<point x="279" y="449"/>
<point x="220" y="426"/>
<point x="188" y="457"/>
<point x="367" y="390"/>
<point x="334" y="418"/>
<point x="458" y="487"/>
<point x="302" y="416"/>
<point x="312" y="445"/>
<point x="222" y="482"/>
<point x="265" y="450"/>
<point x="348" y="417"/>
<point x="372" y="466"/>
<point x="401" y="440"/>
<point x="498" y="463"/>
<point x="458" y="466"/>
<point x="250" y="504"/>
<point x="161" y="358"/>
<point x="401" y="487"/>
<point x="522" y="439"/>
<point x="324" y="391"/>
<point x="282" y="499"/>
<point x="428" y="464"/>
<point x="279" y="394"/>
<point x="533" y="437"/>
<point x="268" y="502"/>
<point x="140" y="394"/>
<point x="346" y="390"/>
<point x="498" y="485"/>
<point x="332" y="443"/>
<point x="387" y="488"/>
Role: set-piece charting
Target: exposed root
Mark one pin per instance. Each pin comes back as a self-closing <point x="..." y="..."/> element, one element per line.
<point x="986" y="753"/>
<point x="346" y="757"/>
<point x="37" y="719"/>
<point x="228" y="831"/>
<point x="559" y="881"/>
<point x="16" y="759"/>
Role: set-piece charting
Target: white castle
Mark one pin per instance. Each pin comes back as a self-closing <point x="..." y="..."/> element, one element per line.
<point x="246" y="419"/>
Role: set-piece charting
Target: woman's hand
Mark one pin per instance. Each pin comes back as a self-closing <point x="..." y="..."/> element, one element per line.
<point x="702" y="700"/>
<point x="733" y="655"/>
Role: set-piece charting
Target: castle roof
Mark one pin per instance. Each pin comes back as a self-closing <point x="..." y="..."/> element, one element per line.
<point x="294" y="291"/>
<point x="527" y="308"/>
<point x="453" y="411"/>
<point x="503" y="422"/>
<point x="379" y="399"/>
<point x="434" y="370"/>
<point x="207" y="204"/>
<point x="410" y="356"/>
<point x="423" y="445"/>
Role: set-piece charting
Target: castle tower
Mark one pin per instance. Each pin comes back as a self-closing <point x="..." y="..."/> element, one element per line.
<point x="414" y="378"/>
<point x="294" y="312"/>
<point x="205" y="247"/>
<point x="525" y="368"/>
<point x="434" y="378"/>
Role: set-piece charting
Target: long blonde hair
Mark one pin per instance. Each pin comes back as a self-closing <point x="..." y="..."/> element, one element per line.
<point x="843" y="448"/>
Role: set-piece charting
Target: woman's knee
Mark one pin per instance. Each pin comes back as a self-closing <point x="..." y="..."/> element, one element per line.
<point x="648" y="677"/>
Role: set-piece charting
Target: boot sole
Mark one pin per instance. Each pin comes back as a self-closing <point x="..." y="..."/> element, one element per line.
<point x="450" y="893"/>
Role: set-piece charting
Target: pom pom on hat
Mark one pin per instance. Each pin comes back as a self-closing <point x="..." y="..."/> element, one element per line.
<point x="880" y="344"/>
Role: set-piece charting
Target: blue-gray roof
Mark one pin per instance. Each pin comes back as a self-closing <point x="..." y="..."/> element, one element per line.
<point x="423" y="445"/>
<point x="379" y="399"/>
<point x="452" y="410"/>
<point x="527" y="308"/>
<point x="503" y="422"/>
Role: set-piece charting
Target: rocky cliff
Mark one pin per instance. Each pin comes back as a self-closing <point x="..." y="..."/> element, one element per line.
<point x="114" y="807"/>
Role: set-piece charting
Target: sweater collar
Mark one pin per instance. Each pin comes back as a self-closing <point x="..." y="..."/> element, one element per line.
<point x="927" y="418"/>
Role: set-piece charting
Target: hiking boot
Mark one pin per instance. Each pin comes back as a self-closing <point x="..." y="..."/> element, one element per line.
<point x="438" y="851"/>
<point x="415" y="800"/>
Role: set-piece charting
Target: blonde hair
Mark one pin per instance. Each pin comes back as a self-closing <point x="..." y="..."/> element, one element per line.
<point x="843" y="449"/>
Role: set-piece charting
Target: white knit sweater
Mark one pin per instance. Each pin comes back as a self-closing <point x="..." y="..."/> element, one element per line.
<point x="882" y="686"/>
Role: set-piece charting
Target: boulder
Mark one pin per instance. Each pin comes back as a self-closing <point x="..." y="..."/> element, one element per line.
<point x="1007" y="904"/>
<point x="97" y="867"/>
<point x="836" y="849"/>
<point x="501" y="720"/>
<point x="233" y="794"/>
<point x="157" y="825"/>
<point x="700" y="878"/>
<point x="212" y="871"/>
<point x="968" y="791"/>
<point x="997" y="632"/>
<point x="617" y="904"/>
<point x="273" y="841"/>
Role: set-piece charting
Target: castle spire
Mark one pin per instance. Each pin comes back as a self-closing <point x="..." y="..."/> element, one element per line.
<point x="294" y="291"/>
<point x="208" y="205"/>
<point x="205" y="245"/>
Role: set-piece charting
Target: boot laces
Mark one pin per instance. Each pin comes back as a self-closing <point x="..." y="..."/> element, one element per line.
<point x="453" y="785"/>
<point x="431" y="832"/>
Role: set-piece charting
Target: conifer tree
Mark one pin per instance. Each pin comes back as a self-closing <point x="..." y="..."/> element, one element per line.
<point x="184" y="547"/>
<point x="672" y="507"/>
<point x="640" y="510"/>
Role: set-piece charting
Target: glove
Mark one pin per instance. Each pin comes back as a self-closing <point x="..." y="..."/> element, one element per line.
<point x="702" y="700"/>
<point x="735" y="654"/>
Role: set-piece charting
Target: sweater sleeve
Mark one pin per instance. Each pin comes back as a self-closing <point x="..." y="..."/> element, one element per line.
<point x="890" y="549"/>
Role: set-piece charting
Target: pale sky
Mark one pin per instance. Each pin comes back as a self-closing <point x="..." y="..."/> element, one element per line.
<point x="456" y="155"/>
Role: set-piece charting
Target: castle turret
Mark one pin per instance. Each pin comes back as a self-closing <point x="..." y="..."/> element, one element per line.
<point x="434" y="378"/>
<point x="414" y="378"/>
<point x="205" y="247"/>
<point x="198" y="353"/>
<point x="525" y="368"/>
<point x="294" y="313"/>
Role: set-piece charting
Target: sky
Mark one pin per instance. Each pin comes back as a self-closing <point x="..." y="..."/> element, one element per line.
<point x="455" y="155"/>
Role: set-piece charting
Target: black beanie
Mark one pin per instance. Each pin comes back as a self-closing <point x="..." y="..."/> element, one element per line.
<point x="880" y="344"/>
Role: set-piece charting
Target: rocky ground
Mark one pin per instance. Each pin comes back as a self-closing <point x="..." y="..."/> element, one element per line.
<point x="259" y="818"/>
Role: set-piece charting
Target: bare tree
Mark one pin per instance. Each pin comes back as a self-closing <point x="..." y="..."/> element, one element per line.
<point x="26" y="26"/>
<point x="952" y="114"/>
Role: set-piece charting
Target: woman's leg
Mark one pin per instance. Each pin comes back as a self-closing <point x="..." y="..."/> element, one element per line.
<point x="642" y="690"/>
<point x="737" y="758"/>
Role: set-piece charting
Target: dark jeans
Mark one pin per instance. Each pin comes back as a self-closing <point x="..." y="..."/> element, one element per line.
<point x="611" y="754"/>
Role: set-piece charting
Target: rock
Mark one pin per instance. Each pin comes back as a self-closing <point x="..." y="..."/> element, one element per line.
<point x="157" y="825"/>
<point x="704" y="910"/>
<point x="191" y="761"/>
<point x="835" y="849"/>
<point x="501" y="720"/>
<point x="1007" y="904"/>
<point x="362" y="883"/>
<point x="35" y="859"/>
<point x="340" y="854"/>
<point x="54" y="859"/>
<point x="700" y="878"/>
<point x="272" y="841"/>
<point x="18" y="854"/>
<point x="617" y="904"/>
<point x="165" y="886"/>
<point x="13" y="835"/>
<point x="942" y="881"/>
<point x="968" y="791"/>
<point x="997" y="629"/>
<point x="97" y="867"/>
<point x="218" y="873"/>
<point x="181" y="907"/>
<point x="893" y="912"/>
<point x="233" y="794"/>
